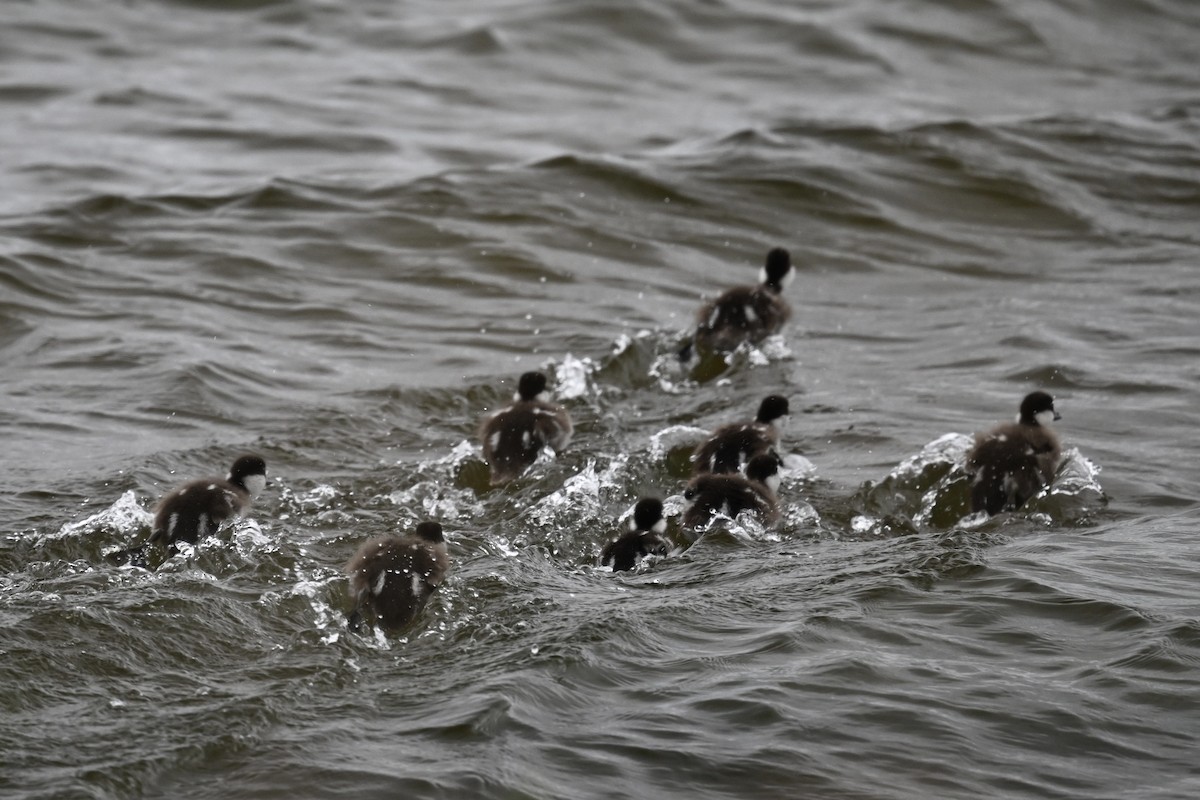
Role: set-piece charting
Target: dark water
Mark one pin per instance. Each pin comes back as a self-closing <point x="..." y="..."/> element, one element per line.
<point x="334" y="233"/>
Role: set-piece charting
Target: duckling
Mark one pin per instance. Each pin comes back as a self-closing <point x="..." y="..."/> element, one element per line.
<point x="709" y="494"/>
<point x="198" y="508"/>
<point x="731" y="446"/>
<point x="392" y="577"/>
<point x="1012" y="462"/>
<point x="644" y="537"/>
<point x="745" y="313"/>
<point x="513" y="437"/>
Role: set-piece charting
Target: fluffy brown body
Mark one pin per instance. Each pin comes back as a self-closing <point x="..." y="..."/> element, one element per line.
<point x="729" y="495"/>
<point x="392" y="578"/>
<point x="1010" y="464"/>
<point x="512" y="438"/>
<point x="197" y="509"/>
<point x="644" y="537"/>
<point x="742" y="314"/>
<point x="625" y="551"/>
<point x="731" y="446"/>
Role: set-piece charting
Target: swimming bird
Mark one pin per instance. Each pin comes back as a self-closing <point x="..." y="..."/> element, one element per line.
<point x="731" y="446"/>
<point x="392" y="577"/>
<point x="644" y="537"/>
<point x="1012" y="462"/>
<point x="709" y="494"/>
<point x="198" y="508"/>
<point x="745" y="313"/>
<point x="513" y="437"/>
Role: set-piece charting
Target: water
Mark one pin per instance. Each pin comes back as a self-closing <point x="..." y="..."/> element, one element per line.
<point x="335" y="233"/>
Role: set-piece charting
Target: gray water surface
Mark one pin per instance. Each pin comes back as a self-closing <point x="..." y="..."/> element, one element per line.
<point x="335" y="233"/>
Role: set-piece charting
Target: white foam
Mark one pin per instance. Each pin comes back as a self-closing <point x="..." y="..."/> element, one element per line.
<point x="950" y="448"/>
<point x="670" y="373"/>
<point x="796" y="468"/>
<point x="580" y="494"/>
<point x="675" y="436"/>
<point x="124" y="515"/>
<point x="573" y="377"/>
<point x="1076" y="474"/>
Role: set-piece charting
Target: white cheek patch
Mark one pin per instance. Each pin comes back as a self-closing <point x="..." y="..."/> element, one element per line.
<point x="772" y="482"/>
<point x="762" y="275"/>
<point x="788" y="277"/>
<point x="660" y="527"/>
<point x="1044" y="417"/>
<point x="255" y="484"/>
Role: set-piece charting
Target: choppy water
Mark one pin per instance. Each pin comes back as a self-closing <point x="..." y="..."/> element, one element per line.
<point x="334" y="233"/>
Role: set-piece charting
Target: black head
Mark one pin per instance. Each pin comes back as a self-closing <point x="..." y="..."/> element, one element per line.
<point x="762" y="467"/>
<point x="1038" y="409"/>
<point x="777" y="269"/>
<point x="245" y="467"/>
<point x="772" y="408"/>
<point x="647" y="513"/>
<point x="430" y="532"/>
<point x="531" y="385"/>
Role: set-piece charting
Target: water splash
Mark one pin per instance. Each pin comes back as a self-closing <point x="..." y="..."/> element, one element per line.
<point x="573" y="377"/>
<point x="931" y="490"/>
<point x="124" y="516"/>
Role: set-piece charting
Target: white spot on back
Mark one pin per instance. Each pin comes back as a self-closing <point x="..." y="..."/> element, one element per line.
<point x="526" y="439"/>
<point x="377" y="588"/>
<point x="749" y="312"/>
<point x="494" y="440"/>
<point x="417" y="585"/>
